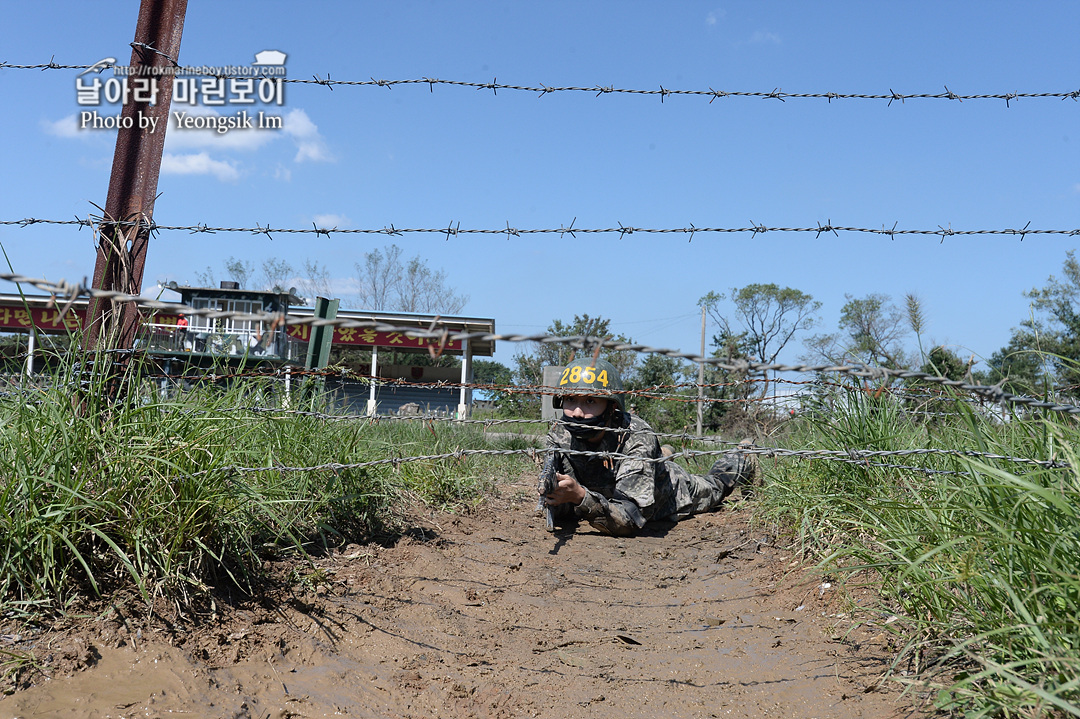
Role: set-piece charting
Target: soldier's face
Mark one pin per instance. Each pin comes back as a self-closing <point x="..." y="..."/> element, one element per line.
<point x="584" y="407"/>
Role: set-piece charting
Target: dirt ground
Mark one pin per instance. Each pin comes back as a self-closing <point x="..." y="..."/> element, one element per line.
<point x="486" y="615"/>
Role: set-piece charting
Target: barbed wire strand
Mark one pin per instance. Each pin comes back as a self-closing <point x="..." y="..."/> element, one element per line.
<point x="681" y="437"/>
<point x="598" y="90"/>
<point x="453" y="230"/>
<point x="996" y="394"/>
<point x="856" y="457"/>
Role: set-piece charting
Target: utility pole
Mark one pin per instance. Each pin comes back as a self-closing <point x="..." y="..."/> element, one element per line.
<point x="121" y="245"/>
<point x="701" y="376"/>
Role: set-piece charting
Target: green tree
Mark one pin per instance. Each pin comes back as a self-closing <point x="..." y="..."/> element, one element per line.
<point x="497" y="375"/>
<point x="768" y="316"/>
<point x="733" y="408"/>
<point x="1021" y="367"/>
<point x="666" y="407"/>
<point x="529" y="365"/>
<point x="871" y="331"/>
<point x="492" y="373"/>
<point x="943" y="362"/>
<point x="1045" y="348"/>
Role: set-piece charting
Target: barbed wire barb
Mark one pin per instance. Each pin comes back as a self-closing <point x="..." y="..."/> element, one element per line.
<point x="570" y="229"/>
<point x="826" y="228"/>
<point x="715" y="94"/>
<point x="945" y="232"/>
<point x="450" y="229"/>
<point x="263" y="231"/>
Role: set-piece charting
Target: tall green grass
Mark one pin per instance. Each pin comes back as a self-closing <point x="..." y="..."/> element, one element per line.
<point x="144" y="490"/>
<point x="981" y="561"/>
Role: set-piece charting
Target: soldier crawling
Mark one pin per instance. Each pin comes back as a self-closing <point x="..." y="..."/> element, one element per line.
<point x="618" y="496"/>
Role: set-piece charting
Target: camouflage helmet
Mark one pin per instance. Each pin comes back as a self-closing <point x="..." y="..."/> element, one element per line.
<point x="592" y="379"/>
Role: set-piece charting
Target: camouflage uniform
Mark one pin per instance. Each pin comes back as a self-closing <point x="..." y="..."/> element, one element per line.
<point x="624" y="494"/>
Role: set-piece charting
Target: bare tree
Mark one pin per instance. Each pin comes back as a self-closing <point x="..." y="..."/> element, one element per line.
<point x="239" y="271"/>
<point x="205" y="278"/>
<point x="379" y="274"/>
<point x="315" y="280"/>
<point x="275" y="274"/>
<point x="385" y="283"/>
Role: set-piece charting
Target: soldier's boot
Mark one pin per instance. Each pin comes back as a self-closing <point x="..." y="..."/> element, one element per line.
<point x="737" y="469"/>
<point x="604" y="525"/>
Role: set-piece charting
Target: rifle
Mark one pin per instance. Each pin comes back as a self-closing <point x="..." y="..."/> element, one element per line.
<point x="547" y="484"/>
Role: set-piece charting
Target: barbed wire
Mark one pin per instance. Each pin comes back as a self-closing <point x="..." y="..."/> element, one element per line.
<point x="860" y="458"/>
<point x="453" y="230"/>
<point x="662" y="92"/>
<point x="345" y="374"/>
<point x="857" y="455"/>
<point x="997" y="394"/>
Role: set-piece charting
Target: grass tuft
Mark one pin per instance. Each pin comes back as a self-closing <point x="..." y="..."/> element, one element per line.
<point x="980" y="560"/>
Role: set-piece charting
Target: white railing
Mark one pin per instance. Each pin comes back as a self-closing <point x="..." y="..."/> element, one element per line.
<point x="222" y="342"/>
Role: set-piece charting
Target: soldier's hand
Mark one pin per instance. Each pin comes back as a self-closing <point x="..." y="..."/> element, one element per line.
<point x="567" y="491"/>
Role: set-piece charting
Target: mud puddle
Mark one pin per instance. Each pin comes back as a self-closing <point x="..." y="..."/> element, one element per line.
<point x="489" y="616"/>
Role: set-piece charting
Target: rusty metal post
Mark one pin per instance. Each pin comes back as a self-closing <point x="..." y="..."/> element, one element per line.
<point x="121" y="250"/>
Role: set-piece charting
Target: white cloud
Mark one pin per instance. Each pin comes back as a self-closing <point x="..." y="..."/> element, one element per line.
<point x="715" y="16"/>
<point x="68" y="127"/>
<point x="198" y="164"/>
<point x="326" y="222"/>
<point x="761" y="37"/>
<point x="310" y="144"/>
<point x="245" y="139"/>
<point x="1076" y="188"/>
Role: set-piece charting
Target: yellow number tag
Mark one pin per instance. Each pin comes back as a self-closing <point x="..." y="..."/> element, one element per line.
<point x="602" y="377"/>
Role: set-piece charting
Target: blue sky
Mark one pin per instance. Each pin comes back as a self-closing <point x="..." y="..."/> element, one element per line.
<point x="369" y="157"/>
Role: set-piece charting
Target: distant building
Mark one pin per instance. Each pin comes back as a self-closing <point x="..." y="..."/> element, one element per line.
<point x="237" y="342"/>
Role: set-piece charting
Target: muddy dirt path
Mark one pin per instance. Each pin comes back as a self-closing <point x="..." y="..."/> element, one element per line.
<point x="489" y="616"/>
